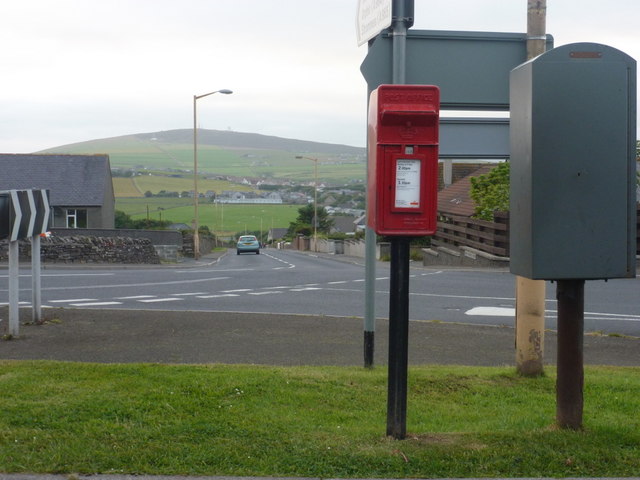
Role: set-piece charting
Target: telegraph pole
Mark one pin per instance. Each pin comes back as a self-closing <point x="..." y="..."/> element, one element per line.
<point x="530" y="294"/>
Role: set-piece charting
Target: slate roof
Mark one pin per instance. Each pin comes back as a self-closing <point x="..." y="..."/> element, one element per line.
<point x="73" y="180"/>
<point x="343" y="224"/>
<point x="455" y="199"/>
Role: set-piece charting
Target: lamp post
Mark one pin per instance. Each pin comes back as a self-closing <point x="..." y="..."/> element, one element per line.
<point x="196" y="226"/>
<point x="315" y="200"/>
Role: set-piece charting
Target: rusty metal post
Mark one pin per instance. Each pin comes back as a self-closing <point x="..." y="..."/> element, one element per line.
<point x="570" y="379"/>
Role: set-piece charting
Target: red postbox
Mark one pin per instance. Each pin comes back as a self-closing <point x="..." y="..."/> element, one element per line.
<point x="403" y="160"/>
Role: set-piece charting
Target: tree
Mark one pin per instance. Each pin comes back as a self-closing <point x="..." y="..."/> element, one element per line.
<point x="304" y="223"/>
<point x="491" y="192"/>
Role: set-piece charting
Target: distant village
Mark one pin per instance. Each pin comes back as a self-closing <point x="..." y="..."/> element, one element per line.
<point x="339" y="201"/>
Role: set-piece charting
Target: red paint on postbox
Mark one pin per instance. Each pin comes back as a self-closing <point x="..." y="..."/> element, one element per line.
<point x="402" y="191"/>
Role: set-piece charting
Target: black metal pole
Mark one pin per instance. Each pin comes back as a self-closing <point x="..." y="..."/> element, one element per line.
<point x="369" y="347"/>
<point x="398" y="338"/>
<point x="570" y="379"/>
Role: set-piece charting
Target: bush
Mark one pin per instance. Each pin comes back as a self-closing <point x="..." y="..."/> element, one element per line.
<point x="491" y="192"/>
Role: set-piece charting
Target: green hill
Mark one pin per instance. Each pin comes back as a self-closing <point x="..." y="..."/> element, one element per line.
<point x="228" y="154"/>
<point x="163" y="161"/>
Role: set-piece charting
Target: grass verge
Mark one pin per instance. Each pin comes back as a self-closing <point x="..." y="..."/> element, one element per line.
<point x="308" y="421"/>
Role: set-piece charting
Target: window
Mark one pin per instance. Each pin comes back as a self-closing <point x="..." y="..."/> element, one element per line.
<point x="76" y="218"/>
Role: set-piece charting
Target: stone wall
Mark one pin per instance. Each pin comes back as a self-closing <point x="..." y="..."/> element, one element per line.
<point x="82" y="249"/>
<point x="207" y="243"/>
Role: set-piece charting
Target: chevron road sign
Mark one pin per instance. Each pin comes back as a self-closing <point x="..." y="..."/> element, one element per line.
<point x="23" y="213"/>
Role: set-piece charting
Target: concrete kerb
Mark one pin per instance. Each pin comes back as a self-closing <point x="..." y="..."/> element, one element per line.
<point x="21" y="476"/>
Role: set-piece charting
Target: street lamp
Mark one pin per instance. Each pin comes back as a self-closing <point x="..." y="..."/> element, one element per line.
<point x="196" y="226"/>
<point x="315" y="200"/>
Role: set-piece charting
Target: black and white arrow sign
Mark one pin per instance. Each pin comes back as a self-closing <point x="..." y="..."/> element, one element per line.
<point x="24" y="212"/>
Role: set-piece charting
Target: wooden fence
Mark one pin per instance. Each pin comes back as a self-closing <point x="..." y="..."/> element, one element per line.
<point x="490" y="237"/>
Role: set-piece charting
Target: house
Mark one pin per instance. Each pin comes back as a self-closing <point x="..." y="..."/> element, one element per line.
<point x="80" y="186"/>
<point x="276" y="234"/>
<point x="456" y="199"/>
<point x="342" y="224"/>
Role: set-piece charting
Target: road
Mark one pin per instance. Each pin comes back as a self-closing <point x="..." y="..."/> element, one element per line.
<point x="283" y="281"/>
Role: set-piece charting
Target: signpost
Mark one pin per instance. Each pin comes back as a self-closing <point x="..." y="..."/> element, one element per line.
<point x="472" y="69"/>
<point x="23" y="214"/>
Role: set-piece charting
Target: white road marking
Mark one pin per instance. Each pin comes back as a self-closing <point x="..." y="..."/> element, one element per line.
<point x="264" y="293"/>
<point x="72" y="300"/>
<point x="491" y="312"/>
<point x="219" y="296"/>
<point x="145" y="284"/>
<point x="192" y="294"/>
<point x="304" y="289"/>
<point x="156" y="300"/>
<point x="237" y="290"/>
<point x="135" y="297"/>
<point x="76" y="275"/>
<point x="94" y="304"/>
<point x="337" y="283"/>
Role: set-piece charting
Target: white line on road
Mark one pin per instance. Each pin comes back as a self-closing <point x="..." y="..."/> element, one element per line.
<point x="219" y="296"/>
<point x="95" y="304"/>
<point x="491" y="312"/>
<point x="265" y="293"/>
<point x="237" y="290"/>
<point x="191" y="294"/>
<point x="511" y="312"/>
<point x="72" y="300"/>
<point x="76" y="275"/>
<point x="146" y="284"/>
<point x="135" y="297"/>
<point x="156" y="300"/>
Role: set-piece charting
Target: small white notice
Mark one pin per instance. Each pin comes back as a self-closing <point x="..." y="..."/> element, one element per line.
<point x="407" y="184"/>
<point x="372" y="17"/>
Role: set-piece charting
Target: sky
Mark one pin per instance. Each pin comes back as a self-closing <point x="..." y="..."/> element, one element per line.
<point x="78" y="70"/>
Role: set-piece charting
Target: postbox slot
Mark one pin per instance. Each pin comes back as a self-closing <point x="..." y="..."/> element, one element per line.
<point x="407" y="117"/>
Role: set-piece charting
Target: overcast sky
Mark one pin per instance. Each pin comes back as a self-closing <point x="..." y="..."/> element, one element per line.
<point x="76" y="70"/>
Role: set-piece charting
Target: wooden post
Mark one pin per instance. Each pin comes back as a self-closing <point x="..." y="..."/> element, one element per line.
<point x="530" y="294"/>
<point x="570" y="379"/>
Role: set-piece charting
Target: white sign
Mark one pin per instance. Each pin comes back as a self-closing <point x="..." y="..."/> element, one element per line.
<point x="407" y="184"/>
<point x="372" y="17"/>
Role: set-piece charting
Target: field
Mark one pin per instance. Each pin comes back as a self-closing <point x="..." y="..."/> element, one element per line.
<point x="157" y="182"/>
<point x="220" y="218"/>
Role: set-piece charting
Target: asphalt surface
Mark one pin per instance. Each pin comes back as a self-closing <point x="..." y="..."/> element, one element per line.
<point x="123" y="336"/>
